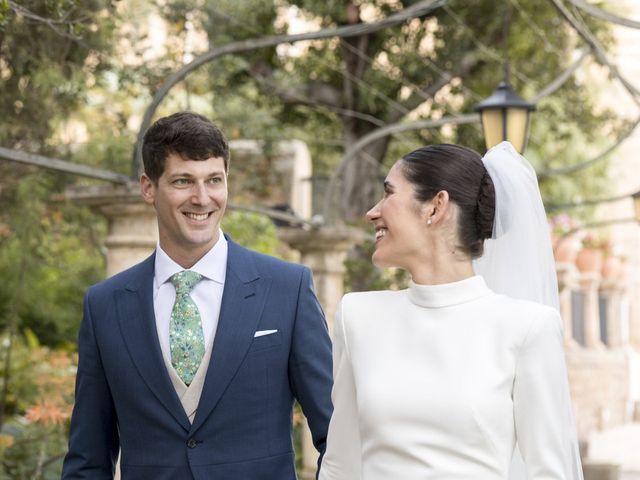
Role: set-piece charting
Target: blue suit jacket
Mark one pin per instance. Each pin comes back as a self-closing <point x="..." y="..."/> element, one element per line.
<point x="242" y="429"/>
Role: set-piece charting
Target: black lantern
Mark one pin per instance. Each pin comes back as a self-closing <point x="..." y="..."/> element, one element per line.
<point x="505" y="116"/>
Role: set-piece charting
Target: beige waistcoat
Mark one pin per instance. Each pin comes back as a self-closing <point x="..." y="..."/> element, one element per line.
<point x="189" y="396"/>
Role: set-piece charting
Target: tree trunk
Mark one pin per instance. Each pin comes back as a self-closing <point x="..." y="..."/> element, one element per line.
<point x="363" y="176"/>
<point x="361" y="179"/>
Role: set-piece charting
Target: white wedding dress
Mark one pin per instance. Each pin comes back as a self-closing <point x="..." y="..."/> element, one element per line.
<point x="438" y="382"/>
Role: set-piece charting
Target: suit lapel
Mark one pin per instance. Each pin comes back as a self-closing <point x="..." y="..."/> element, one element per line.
<point x="137" y="324"/>
<point x="243" y="299"/>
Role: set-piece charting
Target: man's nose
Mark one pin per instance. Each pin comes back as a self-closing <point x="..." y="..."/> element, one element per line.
<point x="200" y="195"/>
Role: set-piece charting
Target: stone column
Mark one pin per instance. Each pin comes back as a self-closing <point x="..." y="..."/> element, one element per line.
<point x="614" y="291"/>
<point x="133" y="230"/>
<point x="133" y="234"/>
<point x="600" y="471"/>
<point x="324" y="250"/>
<point x="634" y="316"/>
<point x="589" y="283"/>
<point x="567" y="281"/>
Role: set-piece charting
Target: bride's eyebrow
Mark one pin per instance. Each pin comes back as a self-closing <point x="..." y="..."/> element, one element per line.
<point x="387" y="185"/>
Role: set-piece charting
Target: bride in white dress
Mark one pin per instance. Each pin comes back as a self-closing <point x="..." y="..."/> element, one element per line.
<point x="443" y="380"/>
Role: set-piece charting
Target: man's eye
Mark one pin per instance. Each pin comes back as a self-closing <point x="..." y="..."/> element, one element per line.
<point x="181" y="181"/>
<point x="215" y="180"/>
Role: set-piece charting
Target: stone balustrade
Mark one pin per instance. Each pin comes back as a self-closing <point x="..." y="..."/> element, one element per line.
<point x="601" y="320"/>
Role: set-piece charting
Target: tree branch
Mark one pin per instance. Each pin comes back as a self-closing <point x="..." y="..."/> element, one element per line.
<point x="552" y="207"/>
<point x="562" y="78"/>
<point x="468" y="62"/>
<point x="291" y="97"/>
<point x="582" y="165"/>
<point x="51" y="23"/>
<point x="602" y="15"/>
<point x="383" y="132"/>
<point x="598" y="50"/>
<point x="62" y="166"/>
<point x="421" y="8"/>
<point x="310" y="93"/>
<point x="394" y="128"/>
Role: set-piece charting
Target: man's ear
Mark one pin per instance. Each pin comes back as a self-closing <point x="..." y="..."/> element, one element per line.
<point x="147" y="189"/>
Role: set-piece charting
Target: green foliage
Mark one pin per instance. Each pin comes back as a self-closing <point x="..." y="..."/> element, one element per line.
<point x="272" y="94"/>
<point x="47" y="61"/>
<point x="109" y="145"/>
<point x="573" y="146"/>
<point x="361" y="275"/>
<point x="33" y="438"/>
<point x="48" y="256"/>
<point x="36" y="451"/>
<point x="4" y="12"/>
<point x="268" y="94"/>
<point x="252" y="231"/>
<point x="566" y="128"/>
<point x="51" y="55"/>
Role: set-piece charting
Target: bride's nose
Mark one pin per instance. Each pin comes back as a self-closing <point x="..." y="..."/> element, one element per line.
<point x="373" y="213"/>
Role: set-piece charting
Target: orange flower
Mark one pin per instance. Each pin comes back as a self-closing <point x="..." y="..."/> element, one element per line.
<point x="59" y="360"/>
<point x="5" y="230"/>
<point x="6" y="441"/>
<point x="46" y="413"/>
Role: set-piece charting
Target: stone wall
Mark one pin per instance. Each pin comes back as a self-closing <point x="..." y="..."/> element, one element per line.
<point x="599" y="382"/>
<point x="600" y="317"/>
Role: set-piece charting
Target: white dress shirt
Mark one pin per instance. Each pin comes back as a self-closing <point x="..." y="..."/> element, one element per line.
<point x="207" y="294"/>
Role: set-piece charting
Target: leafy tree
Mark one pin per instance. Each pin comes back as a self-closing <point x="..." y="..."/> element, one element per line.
<point x="50" y="54"/>
<point x="32" y="446"/>
<point x="252" y="230"/>
<point x="49" y="253"/>
<point x="329" y="93"/>
<point x="335" y="92"/>
<point x="332" y="93"/>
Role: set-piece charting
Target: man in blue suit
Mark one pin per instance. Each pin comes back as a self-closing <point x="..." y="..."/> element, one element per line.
<point x="190" y="361"/>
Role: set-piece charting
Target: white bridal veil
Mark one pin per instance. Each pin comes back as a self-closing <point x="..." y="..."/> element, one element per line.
<point x="518" y="261"/>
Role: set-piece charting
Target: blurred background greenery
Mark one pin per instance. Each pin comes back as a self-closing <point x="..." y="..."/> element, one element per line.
<point x="77" y="76"/>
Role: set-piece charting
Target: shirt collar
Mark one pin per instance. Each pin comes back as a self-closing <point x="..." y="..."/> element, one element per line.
<point x="213" y="265"/>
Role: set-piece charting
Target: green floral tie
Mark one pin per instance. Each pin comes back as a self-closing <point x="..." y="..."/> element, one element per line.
<point x="186" y="339"/>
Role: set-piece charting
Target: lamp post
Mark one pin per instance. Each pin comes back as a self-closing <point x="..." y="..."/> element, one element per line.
<point x="505" y="116"/>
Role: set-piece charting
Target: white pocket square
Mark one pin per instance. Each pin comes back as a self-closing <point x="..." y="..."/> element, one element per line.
<point x="262" y="333"/>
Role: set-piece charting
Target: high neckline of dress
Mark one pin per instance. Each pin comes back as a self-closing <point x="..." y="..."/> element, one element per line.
<point x="448" y="294"/>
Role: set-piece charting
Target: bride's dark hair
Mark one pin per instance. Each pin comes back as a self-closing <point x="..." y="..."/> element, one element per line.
<point x="459" y="171"/>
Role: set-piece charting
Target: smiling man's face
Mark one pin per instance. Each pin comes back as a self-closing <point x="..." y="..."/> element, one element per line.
<point x="190" y="199"/>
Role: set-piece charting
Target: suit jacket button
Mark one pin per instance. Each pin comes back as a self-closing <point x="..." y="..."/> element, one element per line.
<point x="191" y="443"/>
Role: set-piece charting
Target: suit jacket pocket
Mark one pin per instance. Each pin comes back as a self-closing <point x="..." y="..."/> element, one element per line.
<point x="265" y="342"/>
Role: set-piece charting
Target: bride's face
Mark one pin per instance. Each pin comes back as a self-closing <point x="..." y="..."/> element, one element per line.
<point x="400" y="222"/>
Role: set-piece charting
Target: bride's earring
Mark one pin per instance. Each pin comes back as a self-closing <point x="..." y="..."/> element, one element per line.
<point x="429" y="221"/>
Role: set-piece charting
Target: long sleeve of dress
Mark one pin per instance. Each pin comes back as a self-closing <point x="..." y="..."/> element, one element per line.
<point x="342" y="459"/>
<point x="545" y="428"/>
